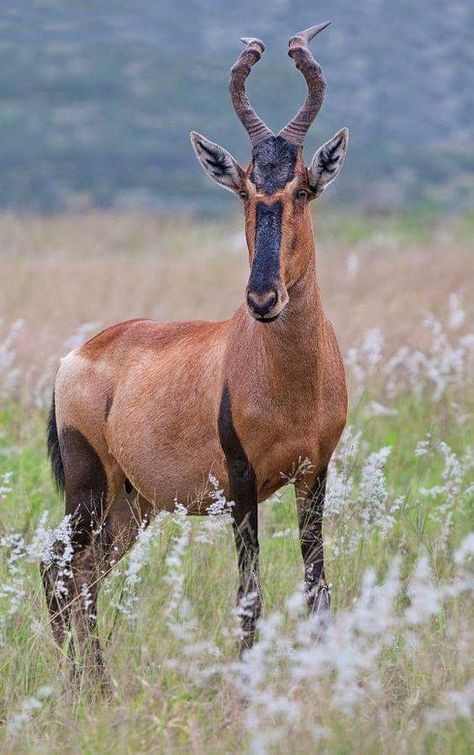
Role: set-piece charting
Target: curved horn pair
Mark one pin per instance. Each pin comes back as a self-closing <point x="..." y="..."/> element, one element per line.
<point x="295" y="130"/>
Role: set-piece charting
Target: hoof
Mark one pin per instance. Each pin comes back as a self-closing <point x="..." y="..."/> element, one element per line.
<point x="247" y="640"/>
<point x="320" y="608"/>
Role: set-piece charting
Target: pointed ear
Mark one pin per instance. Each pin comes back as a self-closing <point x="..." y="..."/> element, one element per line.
<point x="217" y="163"/>
<point x="328" y="161"/>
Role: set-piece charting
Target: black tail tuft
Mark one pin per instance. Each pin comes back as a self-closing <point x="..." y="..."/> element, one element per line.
<point x="54" y="451"/>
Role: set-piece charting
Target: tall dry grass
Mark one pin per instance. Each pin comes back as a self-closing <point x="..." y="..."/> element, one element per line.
<point x="395" y="671"/>
<point x="59" y="273"/>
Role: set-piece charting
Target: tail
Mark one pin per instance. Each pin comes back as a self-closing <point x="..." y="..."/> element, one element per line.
<point x="54" y="451"/>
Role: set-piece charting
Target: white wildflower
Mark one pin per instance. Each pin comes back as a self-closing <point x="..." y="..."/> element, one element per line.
<point x="372" y="346"/>
<point x="376" y="409"/>
<point x="132" y="571"/>
<point x="425" y="599"/>
<point x="9" y="372"/>
<point x="455" y="704"/>
<point x="352" y="265"/>
<point x="457" y="314"/>
<point x="5" y="486"/>
<point x="17" y="721"/>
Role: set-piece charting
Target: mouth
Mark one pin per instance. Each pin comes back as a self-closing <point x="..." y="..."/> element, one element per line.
<point x="266" y="319"/>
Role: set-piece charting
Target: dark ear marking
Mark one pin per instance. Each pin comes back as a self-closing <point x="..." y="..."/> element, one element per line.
<point x="217" y="163"/>
<point x="329" y="155"/>
<point x="215" y="160"/>
<point x="327" y="162"/>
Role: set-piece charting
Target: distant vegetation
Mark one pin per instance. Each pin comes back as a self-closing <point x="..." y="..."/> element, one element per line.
<point x="97" y="98"/>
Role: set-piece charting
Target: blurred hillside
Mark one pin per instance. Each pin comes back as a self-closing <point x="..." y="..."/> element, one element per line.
<point x="98" y="98"/>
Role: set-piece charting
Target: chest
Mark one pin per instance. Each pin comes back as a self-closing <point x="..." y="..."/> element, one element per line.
<point x="279" y="434"/>
<point x="288" y="429"/>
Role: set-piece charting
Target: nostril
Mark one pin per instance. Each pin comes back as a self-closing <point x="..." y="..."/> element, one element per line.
<point x="272" y="299"/>
<point x="262" y="303"/>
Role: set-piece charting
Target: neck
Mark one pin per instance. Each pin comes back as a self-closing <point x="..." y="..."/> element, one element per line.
<point x="286" y="350"/>
<point x="292" y="341"/>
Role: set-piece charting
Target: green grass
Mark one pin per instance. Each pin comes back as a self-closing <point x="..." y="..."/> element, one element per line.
<point x="417" y="227"/>
<point x="158" y="707"/>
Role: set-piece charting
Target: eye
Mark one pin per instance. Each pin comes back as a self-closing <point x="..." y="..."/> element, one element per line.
<point x="244" y="195"/>
<point x="301" y="194"/>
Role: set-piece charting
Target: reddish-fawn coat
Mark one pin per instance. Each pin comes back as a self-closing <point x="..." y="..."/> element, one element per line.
<point x="144" y="412"/>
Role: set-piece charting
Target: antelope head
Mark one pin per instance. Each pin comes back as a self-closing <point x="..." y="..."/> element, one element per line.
<point x="276" y="187"/>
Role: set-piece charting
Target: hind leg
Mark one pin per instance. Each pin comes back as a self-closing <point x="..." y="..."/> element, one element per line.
<point x="72" y="579"/>
<point x="128" y="514"/>
<point x="56" y="595"/>
<point x="101" y="534"/>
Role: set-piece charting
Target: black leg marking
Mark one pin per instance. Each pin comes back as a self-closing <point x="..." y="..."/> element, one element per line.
<point x="243" y="492"/>
<point x="86" y="484"/>
<point x="310" y="519"/>
<point x="72" y="587"/>
<point x="108" y="406"/>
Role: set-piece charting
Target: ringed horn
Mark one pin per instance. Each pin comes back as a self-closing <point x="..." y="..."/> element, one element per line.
<point x="296" y="129"/>
<point x="255" y="127"/>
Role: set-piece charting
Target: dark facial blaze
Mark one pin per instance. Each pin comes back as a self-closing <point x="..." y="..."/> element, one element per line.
<point x="274" y="163"/>
<point x="273" y="166"/>
<point x="266" y="261"/>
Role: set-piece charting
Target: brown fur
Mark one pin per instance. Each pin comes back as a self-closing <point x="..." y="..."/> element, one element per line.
<point x="164" y="383"/>
<point x="145" y="398"/>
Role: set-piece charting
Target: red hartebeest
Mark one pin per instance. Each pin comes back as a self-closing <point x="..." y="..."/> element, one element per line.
<point x="145" y="411"/>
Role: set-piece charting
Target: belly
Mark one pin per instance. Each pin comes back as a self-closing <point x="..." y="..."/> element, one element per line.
<point x="165" y="476"/>
<point x="168" y="452"/>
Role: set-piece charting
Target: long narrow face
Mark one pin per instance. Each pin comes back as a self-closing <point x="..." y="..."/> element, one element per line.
<point x="277" y="220"/>
<point x="275" y="190"/>
<point x="277" y="187"/>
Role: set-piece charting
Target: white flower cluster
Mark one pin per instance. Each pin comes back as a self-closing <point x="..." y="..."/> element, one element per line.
<point x="9" y="371"/>
<point x="357" y="497"/>
<point x="130" y="572"/>
<point x="17" y="721"/>
<point x="287" y="673"/>
<point x="432" y="373"/>
<point x="12" y="589"/>
<point x="5" y="487"/>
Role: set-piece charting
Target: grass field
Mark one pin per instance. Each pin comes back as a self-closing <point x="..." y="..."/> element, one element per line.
<point x="395" y="672"/>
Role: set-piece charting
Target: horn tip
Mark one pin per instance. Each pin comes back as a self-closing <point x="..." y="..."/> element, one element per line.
<point x="253" y="42"/>
<point x="308" y="34"/>
<point x="313" y="30"/>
